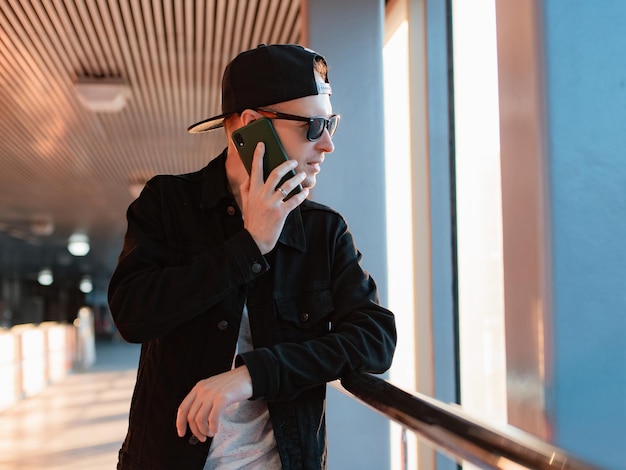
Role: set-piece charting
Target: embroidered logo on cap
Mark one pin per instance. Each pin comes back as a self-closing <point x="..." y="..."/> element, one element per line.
<point x="323" y="88"/>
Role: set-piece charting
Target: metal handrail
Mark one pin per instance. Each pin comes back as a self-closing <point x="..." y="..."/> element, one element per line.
<point x="452" y="431"/>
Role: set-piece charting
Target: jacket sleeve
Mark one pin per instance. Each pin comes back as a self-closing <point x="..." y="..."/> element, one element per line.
<point x="362" y="338"/>
<point x="150" y="294"/>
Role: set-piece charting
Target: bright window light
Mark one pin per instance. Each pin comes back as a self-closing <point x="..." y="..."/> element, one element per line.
<point x="399" y="225"/>
<point x="479" y="209"/>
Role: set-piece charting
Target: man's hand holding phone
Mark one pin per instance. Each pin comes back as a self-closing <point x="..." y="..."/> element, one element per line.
<point x="265" y="208"/>
<point x="262" y="130"/>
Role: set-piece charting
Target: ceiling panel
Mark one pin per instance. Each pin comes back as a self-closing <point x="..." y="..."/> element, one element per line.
<point x="66" y="165"/>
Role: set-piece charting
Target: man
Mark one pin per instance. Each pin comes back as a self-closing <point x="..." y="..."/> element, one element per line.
<point x="246" y="302"/>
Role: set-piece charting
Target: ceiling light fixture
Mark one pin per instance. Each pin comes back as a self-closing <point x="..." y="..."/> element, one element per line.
<point x="103" y="95"/>
<point x="45" y="277"/>
<point x="85" y="286"/>
<point x="78" y="244"/>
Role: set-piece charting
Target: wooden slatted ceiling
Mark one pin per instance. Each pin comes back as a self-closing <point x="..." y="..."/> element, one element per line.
<point x="60" y="160"/>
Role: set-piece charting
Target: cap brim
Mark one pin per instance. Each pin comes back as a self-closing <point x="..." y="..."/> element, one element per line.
<point x="207" y="124"/>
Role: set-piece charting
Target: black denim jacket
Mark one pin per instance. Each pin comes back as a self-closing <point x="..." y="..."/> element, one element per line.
<point x="185" y="271"/>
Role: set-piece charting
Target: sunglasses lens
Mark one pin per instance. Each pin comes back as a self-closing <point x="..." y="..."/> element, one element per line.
<point x="316" y="128"/>
<point x="332" y="124"/>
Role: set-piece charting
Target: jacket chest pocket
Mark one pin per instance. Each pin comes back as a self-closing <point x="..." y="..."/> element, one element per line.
<point x="304" y="316"/>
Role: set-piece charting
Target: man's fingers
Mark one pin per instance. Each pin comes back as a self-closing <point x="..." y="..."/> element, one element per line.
<point x="202" y="407"/>
<point x="214" y="416"/>
<point x="197" y="419"/>
<point x="280" y="171"/>
<point x="257" y="176"/>
<point x="297" y="199"/>
<point x="257" y="162"/>
<point x="181" y="415"/>
<point x="190" y="413"/>
<point x="289" y="185"/>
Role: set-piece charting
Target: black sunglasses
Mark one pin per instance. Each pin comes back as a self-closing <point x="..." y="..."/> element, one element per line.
<point x="316" y="124"/>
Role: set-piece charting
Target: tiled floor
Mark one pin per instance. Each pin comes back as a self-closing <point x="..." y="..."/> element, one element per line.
<point x="78" y="423"/>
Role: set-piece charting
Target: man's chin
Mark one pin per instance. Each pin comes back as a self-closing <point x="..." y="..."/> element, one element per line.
<point x="308" y="183"/>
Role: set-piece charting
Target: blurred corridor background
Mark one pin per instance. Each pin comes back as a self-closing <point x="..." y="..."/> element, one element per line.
<point x="485" y="138"/>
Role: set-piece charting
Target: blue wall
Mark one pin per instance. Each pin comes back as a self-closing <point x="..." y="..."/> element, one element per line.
<point x="585" y="44"/>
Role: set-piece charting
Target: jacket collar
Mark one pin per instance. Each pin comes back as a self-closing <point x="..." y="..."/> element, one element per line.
<point x="215" y="189"/>
<point x="293" y="231"/>
<point x="215" y="184"/>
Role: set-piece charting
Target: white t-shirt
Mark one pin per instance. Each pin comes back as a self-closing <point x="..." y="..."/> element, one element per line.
<point x="244" y="438"/>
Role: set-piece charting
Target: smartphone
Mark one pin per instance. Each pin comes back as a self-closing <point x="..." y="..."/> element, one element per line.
<point x="262" y="130"/>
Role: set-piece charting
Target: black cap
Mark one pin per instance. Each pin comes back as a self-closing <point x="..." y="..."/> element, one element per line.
<point x="264" y="76"/>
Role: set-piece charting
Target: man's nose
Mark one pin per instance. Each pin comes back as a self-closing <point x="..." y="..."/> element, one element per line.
<point x="325" y="142"/>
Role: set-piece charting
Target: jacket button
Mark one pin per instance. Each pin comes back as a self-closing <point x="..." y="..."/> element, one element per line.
<point x="230" y="210"/>
<point x="193" y="440"/>
<point x="304" y="317"/>
<point x="256" y="268"/>
<point x="222" y="325"/>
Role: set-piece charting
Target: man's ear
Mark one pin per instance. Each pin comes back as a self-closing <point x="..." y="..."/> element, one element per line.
<point x="249" y="115"/>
